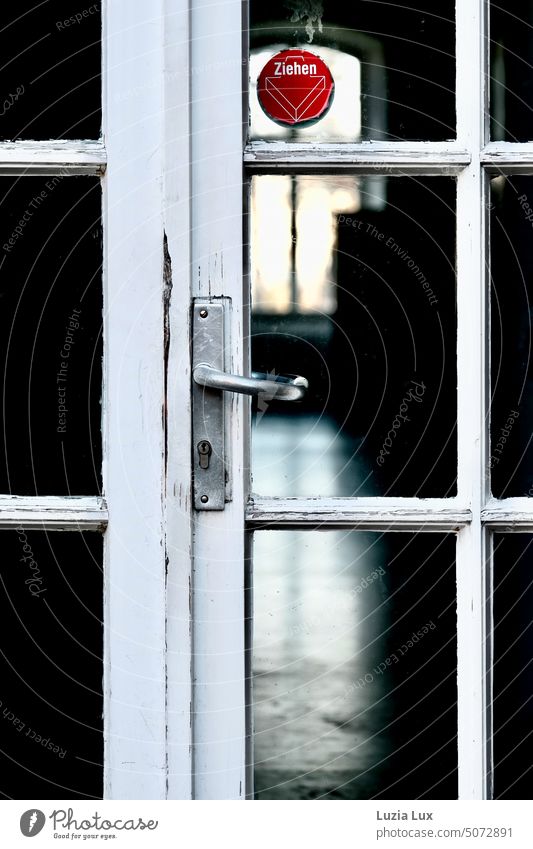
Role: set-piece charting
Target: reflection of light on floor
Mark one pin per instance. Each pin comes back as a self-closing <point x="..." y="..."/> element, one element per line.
<point x="302" y="454"/>
<point x="315" y="636"/>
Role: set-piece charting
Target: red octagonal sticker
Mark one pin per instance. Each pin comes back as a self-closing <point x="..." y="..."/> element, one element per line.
<point x="295" y="87"/>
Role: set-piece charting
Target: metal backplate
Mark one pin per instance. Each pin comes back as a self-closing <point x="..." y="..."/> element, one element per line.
<point x="208" y="425"/>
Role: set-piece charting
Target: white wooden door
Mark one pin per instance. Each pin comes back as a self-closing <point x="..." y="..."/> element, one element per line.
<point x="222" y="155"/>
<point x="178" y="171"/>
<point x="142" y="163"/>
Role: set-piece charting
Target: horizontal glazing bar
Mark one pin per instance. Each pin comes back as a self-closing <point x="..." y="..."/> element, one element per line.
<point x="423" y="158"/>
<point x="52" y="157"/>
<point x="376" y="514"/>
<point x="509" y="514"/>
<point x="53" y="513"/>
<point x="508" y="158"/>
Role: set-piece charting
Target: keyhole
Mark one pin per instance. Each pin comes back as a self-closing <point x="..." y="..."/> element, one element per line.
<point x="204" y="451"/>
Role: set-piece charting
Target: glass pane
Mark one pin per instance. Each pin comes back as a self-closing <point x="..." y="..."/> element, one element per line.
<point x="511" y="70"/>
<point x="393" y="67"/>
<point x="513" y="664"/>
<point x="353" y="286"/>
<point x="355" y="666"/>
<point x="50" y="77"/>
<point x="511" y="459"/>
<point x="50" y="335"/>
<point x="51" y="665"/>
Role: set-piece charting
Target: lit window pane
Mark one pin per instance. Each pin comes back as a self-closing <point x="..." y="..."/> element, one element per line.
<point x="353" y="286"/>
<point x="355" y="666"/>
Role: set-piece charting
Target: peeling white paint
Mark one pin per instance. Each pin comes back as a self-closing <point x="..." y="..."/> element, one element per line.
<point x="53" y="513"/>
<point x="48" y="158"/>
<point x="401" y="514"/>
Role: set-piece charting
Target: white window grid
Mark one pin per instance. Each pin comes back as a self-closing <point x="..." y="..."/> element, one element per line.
<point x="147" y="734"/>
<point x="473" y="515"/>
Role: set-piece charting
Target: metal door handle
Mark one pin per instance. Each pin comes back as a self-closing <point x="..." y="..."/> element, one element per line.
<point x="211" y="323"/>
<point x="280" y="387"/>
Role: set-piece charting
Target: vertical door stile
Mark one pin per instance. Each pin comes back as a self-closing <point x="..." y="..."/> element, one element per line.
<point x="177" y="224"/>
<point x="219" y="714"/>
<point x="133" y="399"/>
<point x="472" y="402"/>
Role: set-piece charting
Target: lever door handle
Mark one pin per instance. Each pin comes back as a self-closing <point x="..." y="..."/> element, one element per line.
<point x="211" y="472"/>
<point x="280" y="387"/>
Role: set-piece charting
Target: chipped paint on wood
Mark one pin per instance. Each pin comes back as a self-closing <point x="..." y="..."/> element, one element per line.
<point x="52" y="157"/>
<point x="53" y="513"/>
<point x="366" y="157"/>
<point x="379" y="514"/>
